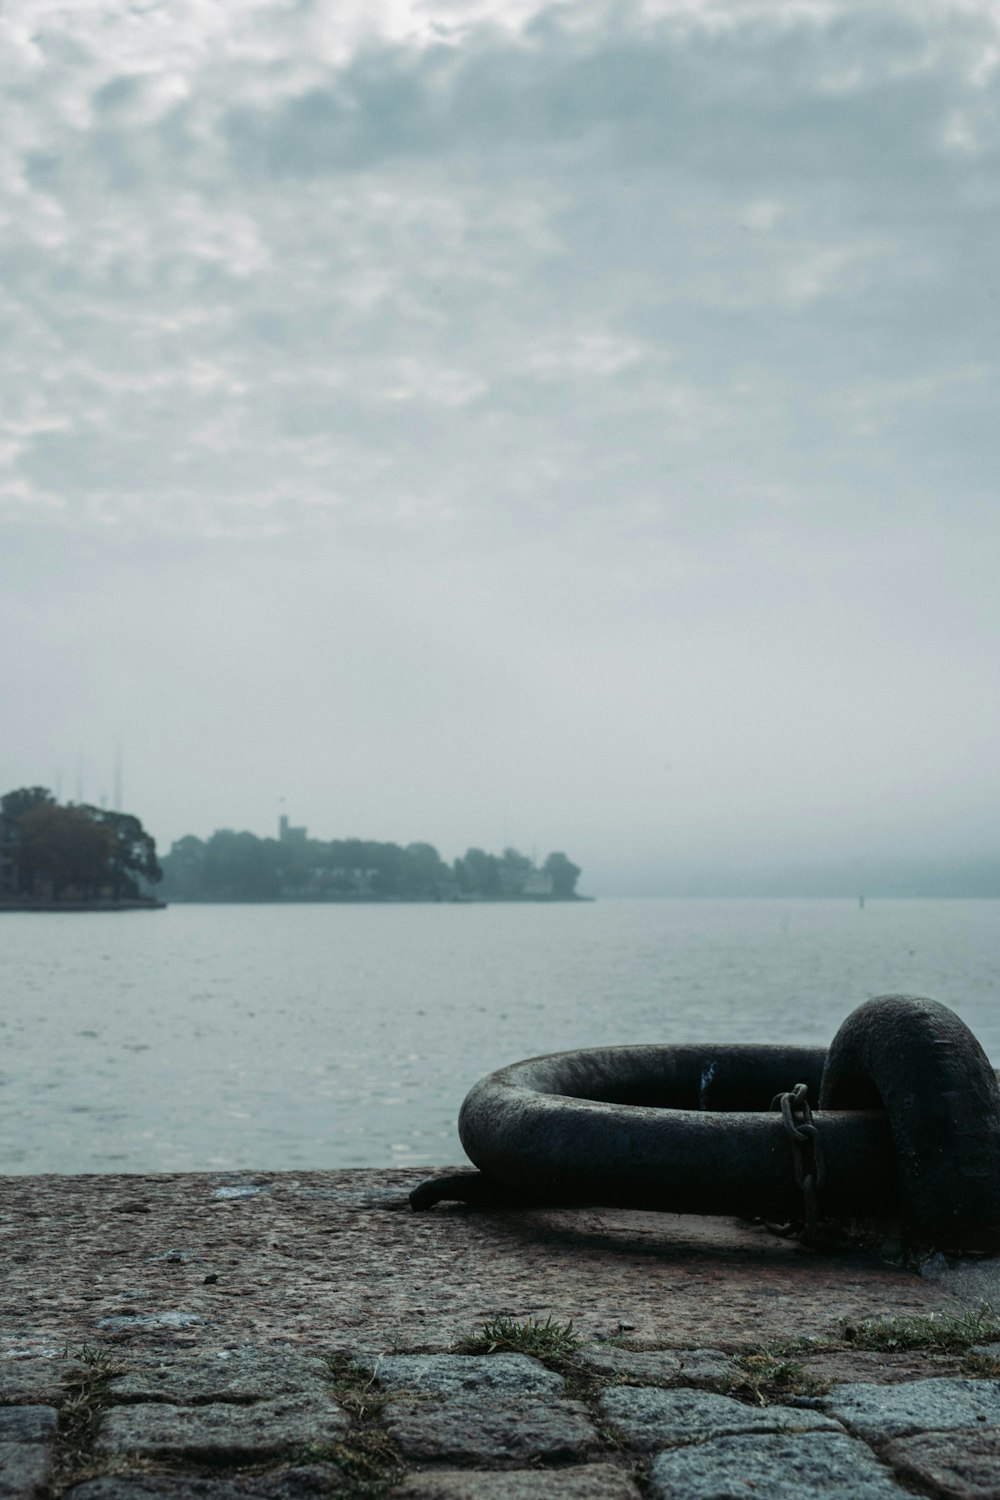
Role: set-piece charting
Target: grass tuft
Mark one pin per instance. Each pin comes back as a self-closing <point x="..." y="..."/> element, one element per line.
<point x="366" y="1457"/>
<point x="84" y="1401"/>
<point x="553" y="1343"/>
<point x="764" y="1377"/>
<point x="945" y="1333"/>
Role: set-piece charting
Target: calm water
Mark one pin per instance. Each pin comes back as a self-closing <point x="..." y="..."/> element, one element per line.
<point x="331" y="1036"/>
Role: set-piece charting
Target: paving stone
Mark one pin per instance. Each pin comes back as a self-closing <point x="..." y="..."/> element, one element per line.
<point x="24" y="1470"/>
<point x="451" y="1374"/>
<point x="649" y="1418"/>
<point x="300" y="1483"/>
<point x="27" y="1424"/>
<point x="779" y="1465"/>
<point x="31" y="1381"/>
<point x="877" y="1412"/>
<point x="962" y="1465"/>
<point x="468" y="1430"/>
<point x="697" y="1367"/>
<point x="588" y="1482"/>
<point x="218" y="1432"/>
<point x="152" y="1486"/>
<point x="244" y="1375"/>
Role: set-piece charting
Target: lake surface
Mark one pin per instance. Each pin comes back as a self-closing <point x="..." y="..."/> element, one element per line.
<point x="284" y="1037"/>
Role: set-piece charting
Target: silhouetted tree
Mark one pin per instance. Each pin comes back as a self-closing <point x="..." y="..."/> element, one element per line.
<point x="241" y="867"/>
<point x="133" y="856"/>
<point x="481" y="873"/>
<point x="564" y="875"/>
<point x="515" y="869"/>
<point x="61" y="847"/>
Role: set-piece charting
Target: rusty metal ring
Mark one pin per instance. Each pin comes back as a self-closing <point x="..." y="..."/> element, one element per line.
<point x="919" y="1062"/>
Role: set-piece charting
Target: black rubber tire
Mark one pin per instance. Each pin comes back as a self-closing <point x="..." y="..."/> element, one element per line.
<point x="919" y="1062"/>
<point x="677" y="1129"/>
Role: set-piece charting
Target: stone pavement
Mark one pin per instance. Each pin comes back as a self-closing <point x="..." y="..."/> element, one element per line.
<point x="294" y="1337"/>
<point x="610" y="1424"/>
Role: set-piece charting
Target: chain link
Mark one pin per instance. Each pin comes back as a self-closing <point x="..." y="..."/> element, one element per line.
<point x="807" y="1155"/>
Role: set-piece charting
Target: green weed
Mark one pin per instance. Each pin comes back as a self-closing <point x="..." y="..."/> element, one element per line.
<point x="550" y="1342"/>
<point x="84" y="1401"/>
<point x="764" y="1377"/>
<point x="366" y="1457"/>
<point x="945" y="1333"/>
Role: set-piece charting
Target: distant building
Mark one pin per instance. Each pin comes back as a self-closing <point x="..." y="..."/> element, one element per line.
<point x="538" y="885"/>
<point x="289" y="835"/>
<point x="9" y="836"/>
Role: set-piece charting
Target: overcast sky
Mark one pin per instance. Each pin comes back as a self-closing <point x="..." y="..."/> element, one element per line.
<point x="488" y="421"/>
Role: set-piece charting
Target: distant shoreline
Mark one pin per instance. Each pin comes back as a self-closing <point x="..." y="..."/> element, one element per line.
<point x="380" y="900"/>
<point x="136" y="903"/>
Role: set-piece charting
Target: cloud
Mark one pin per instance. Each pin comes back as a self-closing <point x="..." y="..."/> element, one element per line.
<point x="643" y="355"/>
<point x="313" y="235"/>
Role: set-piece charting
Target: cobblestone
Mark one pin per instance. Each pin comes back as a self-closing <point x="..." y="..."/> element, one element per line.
<point x="24" y="1469"/>
<point x="300" y="1483"/>
<point x="214" y="1378"/>
<point x="27" y="1424"/>
<point x="878" y="1412"/>
<point x="649" y="1419"/>
<point x="473" y="1430"/>
<point x="588" y="1482"/>
<point x="450" y="1375"/>
<point x="958" y="1465"/>
<point x="481" y="1409"/>
<point x="218" y="1432"/>
<point x="780" y="1466"/>
<point x="239" y="1375"/>
<point x="696" y="1367"/>
<point x="501" y="1427"/>
<point x="30" y="1382"/>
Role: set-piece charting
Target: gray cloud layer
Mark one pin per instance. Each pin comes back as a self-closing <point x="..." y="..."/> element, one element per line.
<point x="556" y="424"/>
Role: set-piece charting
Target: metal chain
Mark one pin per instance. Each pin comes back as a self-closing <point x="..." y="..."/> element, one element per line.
<point x="807" y="1154"/>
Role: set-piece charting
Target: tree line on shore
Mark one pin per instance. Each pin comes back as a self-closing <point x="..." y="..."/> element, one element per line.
<point x="232" y="866"/>
<point x="73" y="852"/>
<point x="50" y="852"/>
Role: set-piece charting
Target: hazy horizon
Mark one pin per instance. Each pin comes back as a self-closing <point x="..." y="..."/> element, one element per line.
<point x="494" y="422"/>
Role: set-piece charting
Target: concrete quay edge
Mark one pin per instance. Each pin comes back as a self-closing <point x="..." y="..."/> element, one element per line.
<point x="289" y="1334"/>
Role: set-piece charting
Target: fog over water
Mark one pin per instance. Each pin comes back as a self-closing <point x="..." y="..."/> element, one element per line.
<point x="280" y="1037"/>
<point x="504" y="422"/>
